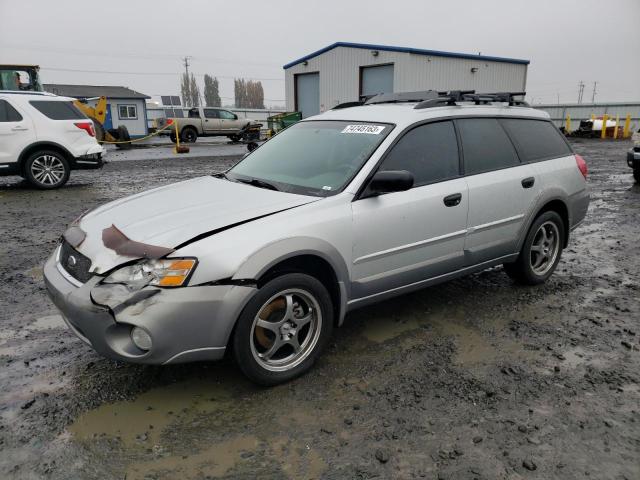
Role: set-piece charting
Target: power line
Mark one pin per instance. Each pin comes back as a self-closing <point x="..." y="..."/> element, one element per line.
<point x="144" y="56"/>
<point x="155" y="73"/>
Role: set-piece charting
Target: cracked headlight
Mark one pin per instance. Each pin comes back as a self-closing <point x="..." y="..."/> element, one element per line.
<point x="168" y="272"/>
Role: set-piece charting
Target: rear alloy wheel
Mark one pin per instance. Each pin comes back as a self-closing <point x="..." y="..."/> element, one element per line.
<point x="540" y="252"/>
<point x="189" y="135"/>
<point x="283" y="328"/>
<point x="46" y="169"/>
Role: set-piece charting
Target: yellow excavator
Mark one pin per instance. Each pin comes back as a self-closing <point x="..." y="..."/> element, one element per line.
<point x="26" y="78"/>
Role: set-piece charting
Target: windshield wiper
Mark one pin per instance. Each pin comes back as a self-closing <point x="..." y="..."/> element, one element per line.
<point x="258" y="183"/>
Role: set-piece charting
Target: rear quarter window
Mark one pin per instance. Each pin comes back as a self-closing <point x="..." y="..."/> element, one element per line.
<point x="8" y="113"/>
<point x="536" y="139"/>
<point x="57" y="110"/>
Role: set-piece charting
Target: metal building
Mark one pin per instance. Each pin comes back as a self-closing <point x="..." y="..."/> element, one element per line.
<point x="342" y="72"/>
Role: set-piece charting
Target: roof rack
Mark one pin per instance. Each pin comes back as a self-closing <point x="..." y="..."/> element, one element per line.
<point x="454" y="96"/>
<point x="434" y="98"/>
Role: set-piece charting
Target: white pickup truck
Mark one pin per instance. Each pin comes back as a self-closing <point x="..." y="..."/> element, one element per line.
<point x="206" y="122"/>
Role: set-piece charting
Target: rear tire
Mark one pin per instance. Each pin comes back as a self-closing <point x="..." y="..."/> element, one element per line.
<point x="173" y="137"/>
<point x="540" y="252"/>
<point x="282" y="330"/>
<point x="636" y="174"/>
<point x="46" y="169"/>
<point x="188" y="135"/>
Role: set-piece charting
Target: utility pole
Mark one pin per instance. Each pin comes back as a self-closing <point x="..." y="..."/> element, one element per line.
<point x="186" y="65"/>
<point x="580" y="91"/>
<point x="593" y="95"/>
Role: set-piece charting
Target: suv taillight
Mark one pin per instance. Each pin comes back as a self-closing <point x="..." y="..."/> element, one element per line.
<point x="582" y="166"/>
<point x="87" y="127"/>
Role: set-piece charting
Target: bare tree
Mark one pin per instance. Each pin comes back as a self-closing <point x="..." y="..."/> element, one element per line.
<point x="185" y="89"/>
<point x="248" y="93"/>
<point x="195" y="91"/>
<point x="211" y="91"/>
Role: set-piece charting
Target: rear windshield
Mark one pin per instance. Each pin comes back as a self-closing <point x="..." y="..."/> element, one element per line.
<point x="314" y="157"/>
<point x="536" y="140"/>
<point x="57" y="110"/>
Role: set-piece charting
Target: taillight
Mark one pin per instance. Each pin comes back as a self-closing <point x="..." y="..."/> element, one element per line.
<point x="87" y="127"/>
<point x="582" y="166"/>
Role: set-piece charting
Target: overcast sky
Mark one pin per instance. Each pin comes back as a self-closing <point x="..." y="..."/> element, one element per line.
<point x="141" y="43"/>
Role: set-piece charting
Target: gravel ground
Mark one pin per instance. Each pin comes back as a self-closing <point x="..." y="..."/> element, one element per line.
<point x="475" y="378"/>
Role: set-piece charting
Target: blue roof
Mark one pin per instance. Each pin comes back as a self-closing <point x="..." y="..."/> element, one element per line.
<point x="417" y="51"/>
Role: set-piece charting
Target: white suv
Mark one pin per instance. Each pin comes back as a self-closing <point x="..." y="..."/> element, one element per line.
<point x="43" y="137"/>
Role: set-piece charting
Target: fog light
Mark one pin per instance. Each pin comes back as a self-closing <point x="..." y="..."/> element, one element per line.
<point x="141" y="339"/>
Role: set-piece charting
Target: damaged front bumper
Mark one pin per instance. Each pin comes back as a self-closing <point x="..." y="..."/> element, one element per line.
<point x="185" y="324"/>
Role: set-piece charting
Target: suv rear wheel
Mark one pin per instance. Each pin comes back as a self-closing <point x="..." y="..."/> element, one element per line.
<point x="283" y="329"/>
<point x="46" y="169"/>
<point x="540" y="252"/>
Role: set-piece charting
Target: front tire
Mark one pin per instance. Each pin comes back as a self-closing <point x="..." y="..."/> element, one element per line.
<point x="540" y="252"/>
<point x="283" y="329"/>
<point x="47" y="169"/>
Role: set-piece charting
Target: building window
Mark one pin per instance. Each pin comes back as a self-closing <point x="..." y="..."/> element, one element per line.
<point x="128" y="112"/>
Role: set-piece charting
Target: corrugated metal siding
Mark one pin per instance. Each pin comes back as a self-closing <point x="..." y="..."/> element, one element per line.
<point x="340" y="74"/>
<point x="577" y="112"/>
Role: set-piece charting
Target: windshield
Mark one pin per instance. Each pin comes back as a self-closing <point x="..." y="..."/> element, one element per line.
<point x="312" y="158"/>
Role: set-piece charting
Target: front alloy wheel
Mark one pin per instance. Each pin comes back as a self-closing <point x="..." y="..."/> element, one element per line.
<point x="47" y="169"/>
<point x="283" y="328"/>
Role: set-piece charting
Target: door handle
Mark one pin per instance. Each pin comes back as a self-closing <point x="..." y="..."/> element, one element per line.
<point x="19" y="129"/>
<point x="452" y="200"/>
<point x="528" y="182"/>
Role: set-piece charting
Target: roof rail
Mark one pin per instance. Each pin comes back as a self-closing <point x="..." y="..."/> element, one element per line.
<point x="398" y="97"/>
<point x="347" y="105"/>
<point x="454" y="96"/>
<point x="28" y="92"/>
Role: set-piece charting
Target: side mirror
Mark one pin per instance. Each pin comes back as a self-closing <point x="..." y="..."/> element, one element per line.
<point x="391" y="181"/>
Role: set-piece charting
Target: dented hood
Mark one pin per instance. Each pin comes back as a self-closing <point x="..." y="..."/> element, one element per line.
<point x="172" y="215"/>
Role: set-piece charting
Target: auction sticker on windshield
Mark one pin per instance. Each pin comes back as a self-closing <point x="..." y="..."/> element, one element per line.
<point x="369" y="129"/>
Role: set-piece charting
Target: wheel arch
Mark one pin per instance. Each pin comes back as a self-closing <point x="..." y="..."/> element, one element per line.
<point x="305" y="255"/>
<point x="555" y="203"/>
<point x="34" y="147"/>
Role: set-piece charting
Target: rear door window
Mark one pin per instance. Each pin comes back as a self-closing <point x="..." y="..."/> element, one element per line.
<point x="8" y="113"/>
<point x="536" y="139"/>
<point x="57" y="110"/>
<point x="485" y="146"/>
<point x="429" y="152"/>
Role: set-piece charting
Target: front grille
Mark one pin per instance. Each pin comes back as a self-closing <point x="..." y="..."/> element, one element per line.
<point x="75" y="263"/>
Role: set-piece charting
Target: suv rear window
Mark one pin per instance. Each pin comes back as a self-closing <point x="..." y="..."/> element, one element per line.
<point x="485" y="146"/>
<point x="8" y="113"/>
<point x="536" y="139"/>
<point x="57" y="110"/>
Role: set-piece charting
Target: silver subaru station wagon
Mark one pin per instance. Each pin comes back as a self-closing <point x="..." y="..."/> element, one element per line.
<point x="353" y="206"/>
